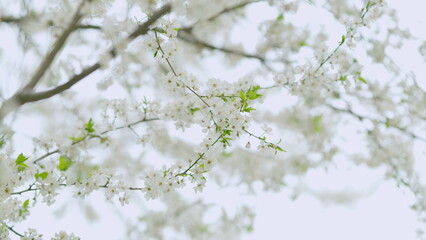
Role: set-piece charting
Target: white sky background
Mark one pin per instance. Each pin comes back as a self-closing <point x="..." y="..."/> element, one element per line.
<point x="381" y="213"/>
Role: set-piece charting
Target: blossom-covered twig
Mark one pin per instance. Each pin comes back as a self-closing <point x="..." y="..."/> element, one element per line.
<point x="96" y="136"/>
<point x="173" y="70"/>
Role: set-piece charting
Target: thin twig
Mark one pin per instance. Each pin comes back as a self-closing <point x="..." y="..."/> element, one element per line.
<point x="217" y="15"/>
<point x="363" y="12"/>
<point x="96" y="136"/>
<point x="173" y="70"/>
<point x="230" y="9"/>
<point x="29" y="189"/>
<point x="360" y="117"/>
<point x="198" y="159"/>
<point x="190" y="38"/>
<point x="14" y="231"/>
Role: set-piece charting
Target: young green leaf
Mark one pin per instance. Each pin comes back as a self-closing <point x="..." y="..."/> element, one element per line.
<point x="42" y="175"/>
<point x="76" y="139"/>
<point x="248" y="109"/>
<point x="20" y="162"/>
<point x="362" y="79"/>
<point x="242" y="96"/>
<point x="89" y="126"/>
<point x="64" y="163"/>
<point x="24" y="208"/>
<point x="193" y="110"/>
<point x="252" y="93"/>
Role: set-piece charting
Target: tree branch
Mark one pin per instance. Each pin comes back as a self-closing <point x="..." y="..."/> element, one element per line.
<point x="54" y="52"/>
<point x="23" y="97"/>
<point x="226" y="10"/>
<point x="10" y="19"/>
<point x="14" y="231"/>
<point x="230" y="9"/>
<point x="186" y="36"/>
<point x="33" y="97"/>
<point x="96" y="136"/>
<point x="360" y="117"/>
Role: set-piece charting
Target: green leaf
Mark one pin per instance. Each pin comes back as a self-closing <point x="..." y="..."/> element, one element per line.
<point x="317" y="123"/>
<point x="362" y="79"/>
<point x="26" y="203"/>
<point x="2" y="141"/>
<point x="343" y="39"/>
<point x="248" y="109"/>
<point x="242" y="96"/>
<point x="280" y="17"/>
<point x="64" y="163"/>
<point x="89" y="126"/>
<point x="252" y="94"/>
<point x="24" y="208"/>
<point x="20" y="162"/>
<point x="21" y="159"/>
<point x="387" y="124"/>
<point x="76" y="139"/>
<point x="42" y="175"/>
<point x="227" y="154"/>
<point x="177" y="29"/>
<point x="193" y="110"/>
<point x="280" y="149"/>
<point x="227" y="132"/>
<point x="160" y="30"/>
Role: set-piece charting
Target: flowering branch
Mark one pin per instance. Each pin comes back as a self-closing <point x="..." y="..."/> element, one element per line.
<point x="25" y="97"/>
<point x="58" y="46"/>
<point x="173" y="70"/>
<point x="97" y="136"/>
<point x="364" y="11"/>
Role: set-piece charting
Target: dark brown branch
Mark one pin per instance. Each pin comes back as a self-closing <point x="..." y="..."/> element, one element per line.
<point x="89" y="26"/>
<point x="143" y="29"/>
<point x="10" y="19"/>
<point x="33" y="97"/>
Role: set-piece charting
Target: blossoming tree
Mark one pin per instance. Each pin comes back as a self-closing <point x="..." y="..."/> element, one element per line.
<point x="123" y="98"/>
